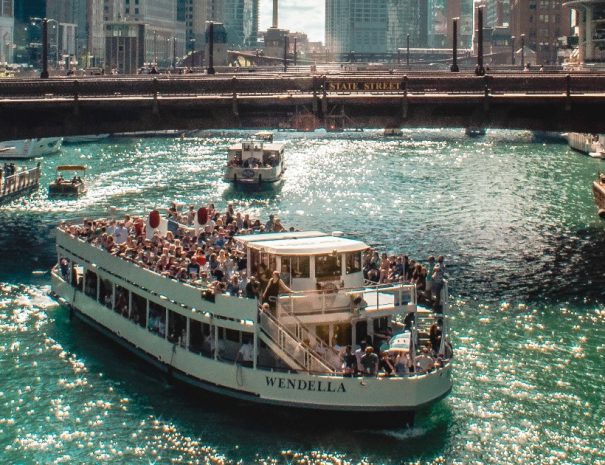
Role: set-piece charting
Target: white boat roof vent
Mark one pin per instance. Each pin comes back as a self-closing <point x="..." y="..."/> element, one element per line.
<point x="337" y="234"/>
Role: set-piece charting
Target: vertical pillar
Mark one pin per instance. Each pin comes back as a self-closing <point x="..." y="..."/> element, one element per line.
<point x="512" y="50"/>
<point x="295" y="52"/>
<point x="454" y="68"/>
<point x="408" y="51"/>
<point x="522" y="50"/>
<point x="211" y="48"/>
<point x="581" y="35"/>
<point x="275" y="13"/>
<point x="480" y="68"/>
<point x="589" y="52"/>
<point x="44" y="73"/>
<point x="286" y="45"/>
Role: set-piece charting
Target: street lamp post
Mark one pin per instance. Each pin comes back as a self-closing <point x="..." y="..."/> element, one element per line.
<point x="512" y="50"/>
<point x="522" y="50"/>
<point x="192" y="52"/>
<point x="44" y="73"/>
<point x="407" y="56"/>
<point x="454" y="68"/>
<point x="211" y="48"/>
<point x="286" y="44"/>
<point x="480" y="68"/>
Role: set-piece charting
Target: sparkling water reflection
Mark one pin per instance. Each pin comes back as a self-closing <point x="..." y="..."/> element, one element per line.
<point x="524" y="248"/>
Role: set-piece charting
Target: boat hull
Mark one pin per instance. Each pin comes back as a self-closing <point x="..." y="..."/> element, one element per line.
<point x="297" y="390"/>
<point x="598" y="189"/>
<point x="588" y="144"/>
<point x="30" y="148"/>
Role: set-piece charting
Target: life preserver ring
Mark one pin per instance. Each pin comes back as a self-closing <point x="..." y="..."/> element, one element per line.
<point x="248" y="173"/>
<point x="202" y="215"/>
<point x="154" y="219"/>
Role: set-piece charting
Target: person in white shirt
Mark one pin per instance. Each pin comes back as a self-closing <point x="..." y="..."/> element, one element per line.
<point x="120" y="234"/>
<point x="245" y="354"/>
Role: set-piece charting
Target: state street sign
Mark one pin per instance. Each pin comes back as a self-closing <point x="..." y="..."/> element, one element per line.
<point x="363" y="86"/>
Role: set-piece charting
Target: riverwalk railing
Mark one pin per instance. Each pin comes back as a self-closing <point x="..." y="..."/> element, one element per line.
<point x="21" y="180"/>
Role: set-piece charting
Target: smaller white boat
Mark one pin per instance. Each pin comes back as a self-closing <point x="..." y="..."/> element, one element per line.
<point x="85" y="139"/>
<point x="588" y="144"/>
<point x="255" y="161"/>
<point x="392" y="132"/>
<point x="30" y="148"/>
<point x="475" y="131"/>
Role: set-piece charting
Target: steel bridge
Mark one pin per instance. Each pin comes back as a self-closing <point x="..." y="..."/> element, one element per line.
<point x="67" y="106"/>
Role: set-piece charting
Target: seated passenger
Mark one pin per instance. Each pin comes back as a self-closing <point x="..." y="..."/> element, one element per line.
<point x="424" y="362"/>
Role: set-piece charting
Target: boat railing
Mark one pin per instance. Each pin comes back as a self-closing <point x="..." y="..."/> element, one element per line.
<point x="19" y="181"/>
<point x="369" y="298"/>
<point x="326" y="352"/>
<point x="293" y="347"/>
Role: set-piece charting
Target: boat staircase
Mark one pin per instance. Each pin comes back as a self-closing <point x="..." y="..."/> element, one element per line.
<point x="293" y="346"/>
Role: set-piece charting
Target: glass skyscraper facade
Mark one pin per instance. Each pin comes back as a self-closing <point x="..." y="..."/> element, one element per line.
<point x="376" y="26"/>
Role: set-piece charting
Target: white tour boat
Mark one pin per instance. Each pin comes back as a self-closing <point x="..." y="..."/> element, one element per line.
<point x="588" y="144"/>
<point x="255" y="161"/>
<point x="30" y="148"/>
<point x="85" y="139"/>
<point x="295" y="349"/>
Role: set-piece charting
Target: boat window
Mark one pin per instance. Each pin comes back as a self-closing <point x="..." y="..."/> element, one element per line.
<point x="257" y="258"/>
<point x="91" y="284"/>
<point x="139" y="310"/>
<point x="353" y="262"/>
<point x="77" y="273"/>
<point x="327" y="265"/>
<point x="196" y="338"/>
<point x="122" y="298"/>
<point x="177" y="328"/>
<point x="106" y="293"/>
<point x="381" y="324"/>
<point x="232" y="335"/>
<point x="157" y="319"/>
<point x="342" y="334"/>
<point x="323" y="333"/>
<point x="296" y="267"/>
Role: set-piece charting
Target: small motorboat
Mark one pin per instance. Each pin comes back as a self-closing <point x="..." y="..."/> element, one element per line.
<point x="69" y="187"/>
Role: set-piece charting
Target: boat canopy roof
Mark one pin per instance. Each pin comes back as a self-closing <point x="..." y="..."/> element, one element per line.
<point x="302" y="243"/>
<point x="257" y="145"/>
<point x="71" y="168"/>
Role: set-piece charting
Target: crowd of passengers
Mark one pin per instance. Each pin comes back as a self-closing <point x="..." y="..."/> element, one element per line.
<point x="212" y="258"/>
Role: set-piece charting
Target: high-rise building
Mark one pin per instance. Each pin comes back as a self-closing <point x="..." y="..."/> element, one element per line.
<point x="463" y="10"/>
<point x="375" y="27"/>
<point x="240" y="18"/>
<point x="7" y="31"/>
<point x="437" y="24"/>
<point x="541" y="22"/>
<point x="139" y="32"/>
<point x="589" y="22"/>
<point x="497" y="13"/>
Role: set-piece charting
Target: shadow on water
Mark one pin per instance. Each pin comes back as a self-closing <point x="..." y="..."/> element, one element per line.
<point x="569" y="268"/>
<point x="223" y="420"/>
<point x="237" y="191"/>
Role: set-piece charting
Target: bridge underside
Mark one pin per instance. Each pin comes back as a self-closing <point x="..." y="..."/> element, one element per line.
<point x="57" y="117"/>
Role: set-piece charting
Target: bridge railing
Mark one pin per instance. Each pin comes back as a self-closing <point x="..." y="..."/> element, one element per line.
<point x="145" y="86"/>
